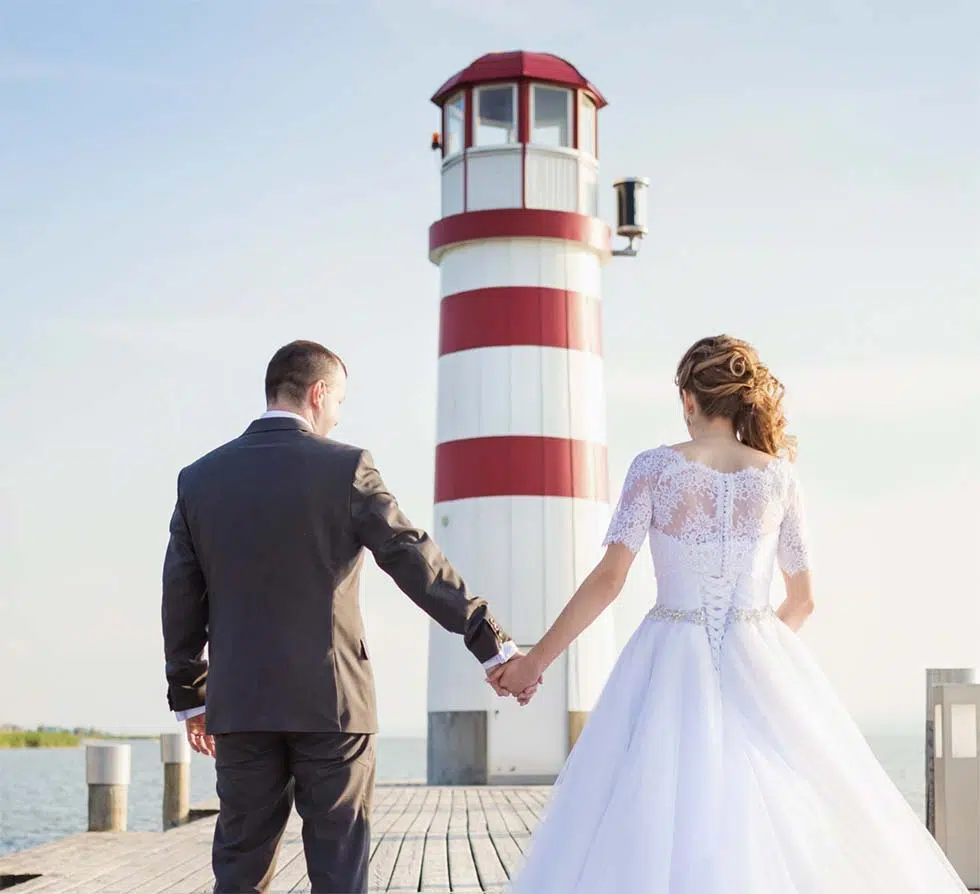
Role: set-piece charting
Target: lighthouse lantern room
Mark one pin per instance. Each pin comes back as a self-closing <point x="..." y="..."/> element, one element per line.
<point x="521" y="487"/>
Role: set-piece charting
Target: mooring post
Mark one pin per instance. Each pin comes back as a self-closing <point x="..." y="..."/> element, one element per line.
<point x="107" y="772"/>
<point x="175" y="755"/>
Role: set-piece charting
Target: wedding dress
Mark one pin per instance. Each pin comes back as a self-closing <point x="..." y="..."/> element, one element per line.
<point x="718" y="759"/>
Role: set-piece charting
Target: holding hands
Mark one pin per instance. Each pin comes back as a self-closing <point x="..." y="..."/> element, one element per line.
<point x="518" y="677"/>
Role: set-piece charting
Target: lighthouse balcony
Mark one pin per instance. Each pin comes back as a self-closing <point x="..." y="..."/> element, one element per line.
<point x="520" y="175"/>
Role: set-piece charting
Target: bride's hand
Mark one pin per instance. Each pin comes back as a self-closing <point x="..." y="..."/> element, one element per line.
<point x="520" y="676"/>
<point x="524" y="697"/>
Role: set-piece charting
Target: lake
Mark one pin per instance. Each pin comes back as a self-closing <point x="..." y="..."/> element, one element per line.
<point x="43" y="795"/>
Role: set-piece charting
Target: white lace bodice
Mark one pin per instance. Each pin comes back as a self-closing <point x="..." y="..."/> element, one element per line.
<point x="715" y="536"/>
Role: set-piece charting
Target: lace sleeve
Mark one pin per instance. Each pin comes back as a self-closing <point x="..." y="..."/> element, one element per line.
<point x="634" y="512"/>
<point x="794" y="551"/>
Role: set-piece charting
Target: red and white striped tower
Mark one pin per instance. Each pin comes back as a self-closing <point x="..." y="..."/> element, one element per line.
<point x="521" y="484"/>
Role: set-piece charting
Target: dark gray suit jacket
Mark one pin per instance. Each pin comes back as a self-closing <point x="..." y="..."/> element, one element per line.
<point x="266" y="545"/>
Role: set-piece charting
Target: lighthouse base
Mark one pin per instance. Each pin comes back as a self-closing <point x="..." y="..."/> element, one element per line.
<point x="456" y="752"/>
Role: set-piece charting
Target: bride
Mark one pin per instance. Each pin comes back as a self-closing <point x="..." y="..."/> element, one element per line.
<point x="718" y="760"/>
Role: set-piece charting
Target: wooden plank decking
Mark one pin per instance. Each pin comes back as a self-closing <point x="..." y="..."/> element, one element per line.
<point x="424" y="839"/>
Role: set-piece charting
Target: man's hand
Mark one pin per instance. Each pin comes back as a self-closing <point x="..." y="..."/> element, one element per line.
<point x="519" y="677"/>
<point x="495" y="670"/>
<point x="492" y="679"/>
<point x="197" y="735"/>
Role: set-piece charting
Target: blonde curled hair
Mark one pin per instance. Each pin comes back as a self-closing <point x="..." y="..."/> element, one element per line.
<point x="727" y="379"/>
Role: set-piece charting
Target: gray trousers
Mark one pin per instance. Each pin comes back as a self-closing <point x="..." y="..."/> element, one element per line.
<point x="331" y="778"/>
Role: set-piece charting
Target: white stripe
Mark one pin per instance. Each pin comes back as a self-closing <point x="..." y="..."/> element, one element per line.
<point x="456" y="682"/>
<point x="544" y="263"/>
<point x="493" y="178"/>
<point x="526" y="556"/>
<point x="452" y="187"/>
<point x="521" y="390"/>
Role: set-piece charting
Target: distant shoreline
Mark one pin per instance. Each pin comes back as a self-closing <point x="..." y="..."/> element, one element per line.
<point x="28" y="739"/>
<point x="50" y="739"/>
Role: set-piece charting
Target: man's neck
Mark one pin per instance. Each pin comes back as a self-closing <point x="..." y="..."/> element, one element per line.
<point x="281" y="410"/>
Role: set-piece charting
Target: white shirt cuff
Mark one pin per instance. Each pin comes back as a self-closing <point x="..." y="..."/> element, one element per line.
<point x="507" y="651"/>
<point x="188" y="714"/>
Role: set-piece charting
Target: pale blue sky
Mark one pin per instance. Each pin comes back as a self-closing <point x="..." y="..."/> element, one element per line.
<point x="186" y="185"/>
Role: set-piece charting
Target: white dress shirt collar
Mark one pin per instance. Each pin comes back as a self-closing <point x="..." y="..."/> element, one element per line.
<point x="285" y="414"/>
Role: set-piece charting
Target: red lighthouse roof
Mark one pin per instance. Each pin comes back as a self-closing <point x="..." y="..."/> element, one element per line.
<point x="518" y="65"/>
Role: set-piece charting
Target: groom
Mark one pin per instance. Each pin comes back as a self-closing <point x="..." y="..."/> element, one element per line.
<point x="266" y="545"/>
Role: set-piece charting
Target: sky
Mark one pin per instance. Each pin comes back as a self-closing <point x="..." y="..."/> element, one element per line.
<point x="185" y="186"/>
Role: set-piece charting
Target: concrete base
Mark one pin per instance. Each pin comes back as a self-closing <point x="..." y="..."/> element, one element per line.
<point x="576" y="723"/>
<point x="510" y="781"/>
<point x="457" y="752"/>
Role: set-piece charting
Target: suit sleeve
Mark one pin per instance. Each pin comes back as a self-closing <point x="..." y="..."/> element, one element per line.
<point x="185" y="617"/>
<point x="416" y="564"/>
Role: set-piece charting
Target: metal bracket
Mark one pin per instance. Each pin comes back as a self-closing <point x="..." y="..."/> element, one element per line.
<point x="628" y="252"/>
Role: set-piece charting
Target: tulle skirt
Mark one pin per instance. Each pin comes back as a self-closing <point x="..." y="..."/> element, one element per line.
<point x="748" y="779"/>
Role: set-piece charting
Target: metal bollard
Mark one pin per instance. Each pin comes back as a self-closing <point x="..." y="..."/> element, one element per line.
<point x="957" y="773"/>
<point x="936" y="677"/>
<point x="107" y="772"/>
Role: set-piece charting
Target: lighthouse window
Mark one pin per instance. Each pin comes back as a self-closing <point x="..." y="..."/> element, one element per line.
<point x="455" y="126"/>
<point x="586" y="126"/>
<point x="496" y="118"/>
<point x="551" y="109"/>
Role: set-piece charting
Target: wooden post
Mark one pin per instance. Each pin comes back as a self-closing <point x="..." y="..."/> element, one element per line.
<point x="175" y="754"/>
<point x="107" y="772"/>
<point x="937" y="677"/>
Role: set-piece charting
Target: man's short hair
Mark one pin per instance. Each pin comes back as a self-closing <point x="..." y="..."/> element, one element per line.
<point x="297" y="366"/>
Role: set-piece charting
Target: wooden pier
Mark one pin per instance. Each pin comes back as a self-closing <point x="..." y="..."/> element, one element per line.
<point x="425" y="838"/>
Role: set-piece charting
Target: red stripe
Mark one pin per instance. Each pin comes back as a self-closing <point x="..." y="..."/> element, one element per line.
<point x="517" y="223"/>
<point x="516" y="466"/>
<point x="520" y="315"/>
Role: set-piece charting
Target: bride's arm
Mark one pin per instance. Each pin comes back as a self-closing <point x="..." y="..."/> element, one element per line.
<point x="626" y="534"/>
<point x="794" y="559"/>
<point x="597" y="592"/>
<point x="591" y="599"/>
<point x="798" y="604"/>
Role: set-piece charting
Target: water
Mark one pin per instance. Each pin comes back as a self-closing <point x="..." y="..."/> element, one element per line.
<point x="43" y="795"/>
<point x="904" y="759"/>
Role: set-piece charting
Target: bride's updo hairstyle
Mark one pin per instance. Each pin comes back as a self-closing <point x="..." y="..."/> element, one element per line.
<point x="727" y="379"/>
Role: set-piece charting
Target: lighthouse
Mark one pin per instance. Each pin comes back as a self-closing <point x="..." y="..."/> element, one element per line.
<point x="521" y="487"/>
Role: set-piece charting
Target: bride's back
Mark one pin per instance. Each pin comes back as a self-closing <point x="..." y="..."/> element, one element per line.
<point x="721" y="508"/>
<point x="710" y="513"/>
